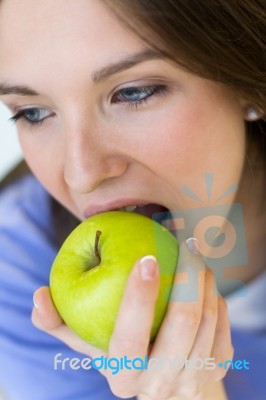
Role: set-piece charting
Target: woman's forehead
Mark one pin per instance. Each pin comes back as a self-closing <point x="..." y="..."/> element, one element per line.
<point x="69" y="35"/>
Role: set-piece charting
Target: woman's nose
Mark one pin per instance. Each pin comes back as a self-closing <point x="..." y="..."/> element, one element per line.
<point x="88" y="162"/>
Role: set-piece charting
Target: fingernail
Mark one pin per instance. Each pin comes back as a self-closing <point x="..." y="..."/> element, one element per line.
<point x="193" y="245"/>
<point x="34" y="302"/>
<point x="148" y="268"/>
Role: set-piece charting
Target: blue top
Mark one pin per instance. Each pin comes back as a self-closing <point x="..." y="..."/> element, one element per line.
<point x="27" y="250"/>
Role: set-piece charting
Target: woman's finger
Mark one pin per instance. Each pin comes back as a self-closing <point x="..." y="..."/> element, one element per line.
<point x="180" y="325"/>
<point x="222" y="349"/>
<point x="178" y="330"/>
<point x="204" y="340"/>
<point x="131" y="334"/>
<point x="45" y="315"/>
<point x="202" y="347"/>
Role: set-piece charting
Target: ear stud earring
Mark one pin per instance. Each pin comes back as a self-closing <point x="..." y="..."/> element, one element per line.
<point x="253" y="114"/>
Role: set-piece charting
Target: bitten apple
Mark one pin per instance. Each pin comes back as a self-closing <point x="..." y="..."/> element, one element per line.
<point x="89" y="274"/>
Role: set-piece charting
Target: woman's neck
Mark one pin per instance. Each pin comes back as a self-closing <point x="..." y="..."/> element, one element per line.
<point x="251" y="197"/>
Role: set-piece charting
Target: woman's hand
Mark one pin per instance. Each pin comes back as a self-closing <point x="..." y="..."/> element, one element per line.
<point x="196" y="326"/>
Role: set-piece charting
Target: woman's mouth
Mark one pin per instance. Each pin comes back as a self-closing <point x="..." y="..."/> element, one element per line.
<point x="149" y="210"/>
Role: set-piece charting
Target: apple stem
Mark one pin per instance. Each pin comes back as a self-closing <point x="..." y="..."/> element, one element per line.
<point x="96" y="249"/>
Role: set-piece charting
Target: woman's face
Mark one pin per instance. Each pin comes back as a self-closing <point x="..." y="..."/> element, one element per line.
<point x="105" y="122"/>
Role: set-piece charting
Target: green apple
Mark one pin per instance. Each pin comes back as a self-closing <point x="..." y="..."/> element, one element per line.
<point x="89" y="274"/>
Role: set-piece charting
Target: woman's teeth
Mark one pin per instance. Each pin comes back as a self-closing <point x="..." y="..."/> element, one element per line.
<point x="128" y="208"/>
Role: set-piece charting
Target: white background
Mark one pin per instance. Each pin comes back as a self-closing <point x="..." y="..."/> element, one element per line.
<point x="10" y="152"/>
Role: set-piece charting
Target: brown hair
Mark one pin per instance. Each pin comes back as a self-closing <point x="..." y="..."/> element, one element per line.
<point x="220" y="40"/>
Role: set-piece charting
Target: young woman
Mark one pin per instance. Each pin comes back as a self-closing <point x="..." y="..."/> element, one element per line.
<point x="122" y="103"/>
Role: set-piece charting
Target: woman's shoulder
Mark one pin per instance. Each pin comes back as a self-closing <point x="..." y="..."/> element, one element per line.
<point x="21" y="189"/>
<point x="23" y="201"/>
<point x="26" y="222"/>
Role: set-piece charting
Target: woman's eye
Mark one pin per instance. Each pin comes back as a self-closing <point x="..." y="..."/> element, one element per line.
<point x="32" y="115"/>
<point x="134" y="96"/>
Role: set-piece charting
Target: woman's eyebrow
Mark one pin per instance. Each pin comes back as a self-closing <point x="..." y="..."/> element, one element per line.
<point x="128" y="62"/>
<point x="21" y="90"/>
<point x="97" y="76"/>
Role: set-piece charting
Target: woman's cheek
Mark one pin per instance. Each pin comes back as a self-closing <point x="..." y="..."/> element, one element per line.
<point x="44" y="158"/>
<point x="201" y="143"/>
